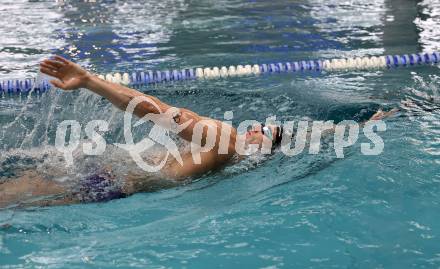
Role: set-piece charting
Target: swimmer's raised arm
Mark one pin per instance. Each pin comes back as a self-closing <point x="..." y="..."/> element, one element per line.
<point x="71" y="76"/>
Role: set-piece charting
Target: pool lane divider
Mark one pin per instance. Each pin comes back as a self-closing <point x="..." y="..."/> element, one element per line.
<point x="137" y="79"/>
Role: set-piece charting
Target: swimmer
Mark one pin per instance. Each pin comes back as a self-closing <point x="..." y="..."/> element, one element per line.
<point x="102" y="185"/>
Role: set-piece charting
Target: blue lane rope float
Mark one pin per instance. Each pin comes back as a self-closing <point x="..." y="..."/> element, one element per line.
<point x="152" y="77"/>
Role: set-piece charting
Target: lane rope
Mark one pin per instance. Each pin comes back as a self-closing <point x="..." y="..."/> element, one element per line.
<point x="152" y="77"/>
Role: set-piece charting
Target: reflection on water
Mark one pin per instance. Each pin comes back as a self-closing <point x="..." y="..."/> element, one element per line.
<point x="116" y="33"/>
<point x="428" y="23"/>
<point x="306" y="211"/>
<point x="359" y="25"/>
<point x="400" y="15"/>
<point x="28" y="33"/>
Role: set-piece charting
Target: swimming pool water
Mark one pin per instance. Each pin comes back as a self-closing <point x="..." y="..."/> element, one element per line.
<point x="302" y="212"/>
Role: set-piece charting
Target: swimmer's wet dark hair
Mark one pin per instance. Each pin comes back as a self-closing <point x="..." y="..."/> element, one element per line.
<point x="279" y="136"/>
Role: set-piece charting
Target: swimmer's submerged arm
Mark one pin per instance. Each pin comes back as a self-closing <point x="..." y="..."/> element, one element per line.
<point x="71" y="77"/>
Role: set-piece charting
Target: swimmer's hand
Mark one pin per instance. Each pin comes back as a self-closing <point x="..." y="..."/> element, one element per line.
<point x="70" y="76"/>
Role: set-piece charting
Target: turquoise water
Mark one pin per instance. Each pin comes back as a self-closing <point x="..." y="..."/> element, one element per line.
<point x="305" y="211"/>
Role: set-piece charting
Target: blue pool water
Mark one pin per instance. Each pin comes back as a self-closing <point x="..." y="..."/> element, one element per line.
<point x="308" y="211"/>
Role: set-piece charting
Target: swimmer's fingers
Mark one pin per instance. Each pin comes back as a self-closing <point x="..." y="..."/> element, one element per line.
<point x="61" y="59"/>
<point x="49" y="67"/>
<point x="48" y="71"/>
<point x="58" y="84"/>
<point x="53" y="64"/>
<point x="45" y="66"/>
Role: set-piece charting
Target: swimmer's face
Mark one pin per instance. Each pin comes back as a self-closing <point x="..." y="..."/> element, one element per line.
<point x="258" y="133"/>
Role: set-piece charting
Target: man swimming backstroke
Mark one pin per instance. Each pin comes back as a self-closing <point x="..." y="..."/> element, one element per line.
<point x="191" y="127"/>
